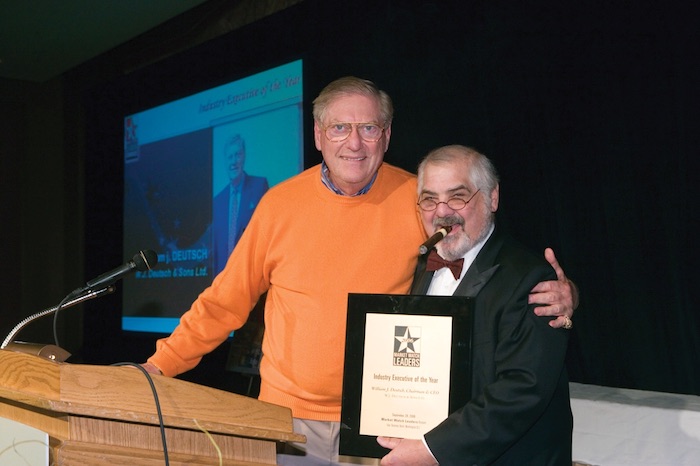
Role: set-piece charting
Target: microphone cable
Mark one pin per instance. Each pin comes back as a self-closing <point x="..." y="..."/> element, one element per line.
<point x="157" y="402"/>
<point x="55" y="318"/>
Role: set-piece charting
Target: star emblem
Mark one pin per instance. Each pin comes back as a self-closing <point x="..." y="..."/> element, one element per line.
<point x="406" y="342"/>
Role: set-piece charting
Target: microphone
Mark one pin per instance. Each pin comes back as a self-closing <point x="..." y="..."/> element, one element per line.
<point x="435" y="239"/>
<point x="142" y="261"/>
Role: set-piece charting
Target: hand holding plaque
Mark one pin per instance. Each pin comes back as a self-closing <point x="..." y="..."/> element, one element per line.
<point x="403" y="355"/>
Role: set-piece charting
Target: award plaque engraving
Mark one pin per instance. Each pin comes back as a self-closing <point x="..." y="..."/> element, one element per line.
<point x="407" y="366"/>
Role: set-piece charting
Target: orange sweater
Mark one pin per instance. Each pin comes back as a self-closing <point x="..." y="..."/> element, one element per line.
<point x="309" y="248"/>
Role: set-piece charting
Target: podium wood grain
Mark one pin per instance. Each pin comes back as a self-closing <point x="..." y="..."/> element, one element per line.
<point x="105" y="414"/>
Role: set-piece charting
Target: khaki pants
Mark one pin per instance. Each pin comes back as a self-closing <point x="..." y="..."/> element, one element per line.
<point x="321" y="447"/>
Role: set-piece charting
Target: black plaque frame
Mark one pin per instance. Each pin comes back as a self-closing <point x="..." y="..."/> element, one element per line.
<point x="359" y="305"/>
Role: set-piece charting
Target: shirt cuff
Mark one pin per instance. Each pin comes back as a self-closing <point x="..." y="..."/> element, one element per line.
<point x="425" y="444"/>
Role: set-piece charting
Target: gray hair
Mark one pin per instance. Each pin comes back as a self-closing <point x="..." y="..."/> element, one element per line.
<point x="234" y="140"/>
<point x="350" y="85"/>
<point x="482" y="173"/>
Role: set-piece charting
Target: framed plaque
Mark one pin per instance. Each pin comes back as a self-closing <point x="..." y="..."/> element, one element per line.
<point x="407" y="366"/>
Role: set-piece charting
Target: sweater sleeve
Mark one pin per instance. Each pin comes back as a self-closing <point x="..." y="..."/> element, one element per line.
<point x="221" y="308"/>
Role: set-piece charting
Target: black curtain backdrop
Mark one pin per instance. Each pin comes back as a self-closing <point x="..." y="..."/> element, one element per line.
<point x="588" y="109"/>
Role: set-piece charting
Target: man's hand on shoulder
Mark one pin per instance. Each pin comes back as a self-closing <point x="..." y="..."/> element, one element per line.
<point x="557" y="298"/>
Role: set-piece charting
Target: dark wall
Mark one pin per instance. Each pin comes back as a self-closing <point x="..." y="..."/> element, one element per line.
<point x="587" y="109"/>
<point x="11" y="118"/>
<point x="41" y="198"/>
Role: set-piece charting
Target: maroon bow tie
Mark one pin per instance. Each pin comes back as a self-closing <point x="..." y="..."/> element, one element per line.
<point x="435" y="262"/>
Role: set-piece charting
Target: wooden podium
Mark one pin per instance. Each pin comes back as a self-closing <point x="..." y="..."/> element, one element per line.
<point x="106" y="415"/>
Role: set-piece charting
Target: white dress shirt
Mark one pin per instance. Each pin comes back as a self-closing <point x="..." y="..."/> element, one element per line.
<point x="444" y="283"/>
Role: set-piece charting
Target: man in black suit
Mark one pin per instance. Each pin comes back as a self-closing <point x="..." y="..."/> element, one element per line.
<point x="519" y="413"/>
<point x="234" y="205"/>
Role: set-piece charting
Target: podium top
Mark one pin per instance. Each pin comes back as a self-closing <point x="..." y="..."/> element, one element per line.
<point x="123" y="393"/>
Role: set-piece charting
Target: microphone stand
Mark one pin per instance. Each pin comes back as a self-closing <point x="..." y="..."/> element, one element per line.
<point x="69" y="303"/>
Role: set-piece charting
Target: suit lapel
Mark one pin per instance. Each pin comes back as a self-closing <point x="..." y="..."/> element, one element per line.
<point x="474" y="281"/>
<point x="478" y="275"/>
<point x="422" y="278"/>
<point x="483" y="267"/>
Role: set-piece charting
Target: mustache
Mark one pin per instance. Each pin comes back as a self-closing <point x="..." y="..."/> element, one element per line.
<point x="448" y="221"/>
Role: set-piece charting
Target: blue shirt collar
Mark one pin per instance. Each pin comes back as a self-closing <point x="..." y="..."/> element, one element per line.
<point x="325" y="178"/>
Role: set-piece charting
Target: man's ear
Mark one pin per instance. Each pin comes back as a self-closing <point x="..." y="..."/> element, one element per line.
<point x="317" y="135"/>
<point x="387" y="137"/>
<point x="495" y="198"/>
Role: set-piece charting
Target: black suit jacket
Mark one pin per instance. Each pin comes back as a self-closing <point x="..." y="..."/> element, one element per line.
<point x="519" y="413"/>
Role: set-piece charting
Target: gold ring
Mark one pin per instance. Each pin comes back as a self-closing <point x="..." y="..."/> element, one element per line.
<point x="568" y="323"/>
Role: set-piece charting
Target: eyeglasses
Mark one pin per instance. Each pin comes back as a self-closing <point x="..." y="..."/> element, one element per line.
<point x="454" y="203"/>
<point x="369" y="132"/>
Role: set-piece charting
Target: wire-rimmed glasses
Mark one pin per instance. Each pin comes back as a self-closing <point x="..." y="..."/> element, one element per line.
<point x="455" y="203"/>
<point x="369" y="132"/>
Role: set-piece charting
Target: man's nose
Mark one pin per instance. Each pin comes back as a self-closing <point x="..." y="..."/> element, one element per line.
<point x="354" y="140"/>
<point x="443" y="209"/>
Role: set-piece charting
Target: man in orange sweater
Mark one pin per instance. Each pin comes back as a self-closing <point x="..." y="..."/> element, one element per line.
<point x="347" y="225"/>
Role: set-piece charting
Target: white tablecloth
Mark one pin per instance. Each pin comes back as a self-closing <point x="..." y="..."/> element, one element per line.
<point x="615" y="426"/>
